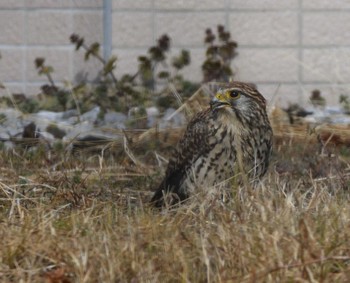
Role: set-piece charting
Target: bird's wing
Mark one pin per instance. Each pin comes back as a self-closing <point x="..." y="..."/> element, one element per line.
<point x="193" y="144"/>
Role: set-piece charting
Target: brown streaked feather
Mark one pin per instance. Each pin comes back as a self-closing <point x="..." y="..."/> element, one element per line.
<point x="234" y="130"/>
<point x="191" y="146"/>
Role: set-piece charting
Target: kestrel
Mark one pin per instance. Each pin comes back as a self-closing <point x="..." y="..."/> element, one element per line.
<point x="232" y="137"/>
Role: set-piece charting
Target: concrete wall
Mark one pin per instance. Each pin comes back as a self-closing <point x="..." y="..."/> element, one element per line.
<point x="286" y="47"/>
<point x="41" y="28"/>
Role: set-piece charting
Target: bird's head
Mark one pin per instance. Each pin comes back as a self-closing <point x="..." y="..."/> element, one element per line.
<point x="239" y="98"/>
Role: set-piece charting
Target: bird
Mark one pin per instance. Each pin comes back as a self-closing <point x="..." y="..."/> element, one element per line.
<point x="232" y="136"/>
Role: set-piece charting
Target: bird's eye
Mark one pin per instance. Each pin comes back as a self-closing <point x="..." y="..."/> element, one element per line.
<point x="234" y="94"/>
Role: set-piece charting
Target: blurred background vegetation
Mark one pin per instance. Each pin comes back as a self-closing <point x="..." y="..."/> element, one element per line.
<point x="157" y="77"/>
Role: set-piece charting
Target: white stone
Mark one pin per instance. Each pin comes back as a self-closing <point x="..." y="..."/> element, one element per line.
<point x="152" y="116"/>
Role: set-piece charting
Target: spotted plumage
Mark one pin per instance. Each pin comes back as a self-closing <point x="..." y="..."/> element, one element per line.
<point x="232" y="136"/>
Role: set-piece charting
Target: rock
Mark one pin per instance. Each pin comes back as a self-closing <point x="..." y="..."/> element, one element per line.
<point x="48" y="137"/>
<point x="4" y="136"/>
<point x="331" y="110"/>
<point x="115" y="119"/>
<point x="12" y="115"/>
<point x="12" y="124"/>
<point x="152" y="116"/>
<point x="172" y="119"/>
<point x="45" y="118"/>
<point x="137" y="118"/>
<point x="340" y="119"/>
<point x="72" y="120"/>
<point x="13" y="132"/>
<point x="70" y="113"/>
<point x="49" y="115"/>
<point x="5" y="139"/>
<point x="8" y="145"/>
<point x="78" y="130"/>
<point x="91" y="115"/>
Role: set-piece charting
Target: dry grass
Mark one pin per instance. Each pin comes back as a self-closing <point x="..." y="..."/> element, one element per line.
<point x="85" y="218"/>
